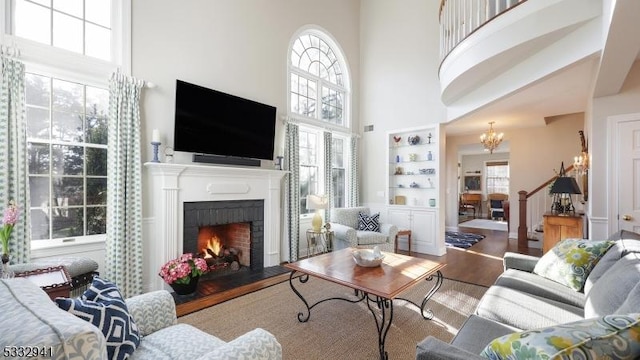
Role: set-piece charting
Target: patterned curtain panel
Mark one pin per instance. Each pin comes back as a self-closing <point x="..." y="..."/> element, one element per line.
<point x="328" y="176"/>
<point x="354" y="188"/>
<point x="14" y="184"/>
<point x="292" y="160"/>
<point x="124" y="201"/>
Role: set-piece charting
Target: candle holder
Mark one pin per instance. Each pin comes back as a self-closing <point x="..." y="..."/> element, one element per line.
<point x="278" y="162"/>
<point x="155" y="151"/>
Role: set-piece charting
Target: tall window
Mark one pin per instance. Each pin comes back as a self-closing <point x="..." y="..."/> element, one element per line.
<point x="319" y="100"/>
<point x="67" y="146"/>
<point x="339" y="172"/>
<point x="73" y="46"/>
<point x="497" y="177"/>
<point x="309" y="166"/>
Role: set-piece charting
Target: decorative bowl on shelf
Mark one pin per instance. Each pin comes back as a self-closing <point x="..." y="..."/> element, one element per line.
<point x="413" y="140"/>
<point x="368" y="257"/>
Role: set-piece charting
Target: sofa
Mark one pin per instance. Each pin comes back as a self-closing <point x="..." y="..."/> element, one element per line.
<point x="29" y="318"/>
<point x="347" y="232"/>
<point x="523" y="303"/>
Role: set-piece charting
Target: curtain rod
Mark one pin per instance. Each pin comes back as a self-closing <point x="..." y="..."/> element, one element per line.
<point x="9" y="50"/>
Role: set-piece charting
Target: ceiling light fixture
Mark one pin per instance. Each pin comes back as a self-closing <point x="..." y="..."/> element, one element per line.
<point x="491" y="139"/>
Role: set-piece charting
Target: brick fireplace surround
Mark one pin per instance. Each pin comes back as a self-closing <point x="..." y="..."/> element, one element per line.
<point x="173" y="185"/>
<point x="212" y="213"/>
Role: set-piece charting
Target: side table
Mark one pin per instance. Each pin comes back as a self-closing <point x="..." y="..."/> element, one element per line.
<point x="322" y="239"/>
<point x="55" y="281"/>
<point x="403" y="232"/>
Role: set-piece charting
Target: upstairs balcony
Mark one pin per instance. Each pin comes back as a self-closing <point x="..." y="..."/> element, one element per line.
<point x="491" y="49"/>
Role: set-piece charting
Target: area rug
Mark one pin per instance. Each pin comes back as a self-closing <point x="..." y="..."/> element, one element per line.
<point x="337" y="329"/>
<point x="485" y="224"/>
<point x="461" y="239"/>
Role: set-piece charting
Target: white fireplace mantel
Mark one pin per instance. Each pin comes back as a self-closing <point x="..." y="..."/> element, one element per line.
<point x="174" y="184"/>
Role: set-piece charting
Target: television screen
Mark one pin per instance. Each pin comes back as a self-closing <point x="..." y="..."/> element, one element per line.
<point x="211" y="122"/>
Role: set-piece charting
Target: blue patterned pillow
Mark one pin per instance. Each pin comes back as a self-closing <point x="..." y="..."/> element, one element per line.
<point x="103" y="306"/>
<point x="570" y="261"/>
<point x="369" y="223"/>
<point x="609" y="337"/>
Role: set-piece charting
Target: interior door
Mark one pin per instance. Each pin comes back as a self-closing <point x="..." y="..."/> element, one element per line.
<point x="629" y="175"/>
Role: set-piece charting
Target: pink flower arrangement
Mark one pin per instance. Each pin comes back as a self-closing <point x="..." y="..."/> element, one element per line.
<point x="9" y="220"/>
<point x="183" y="269"/>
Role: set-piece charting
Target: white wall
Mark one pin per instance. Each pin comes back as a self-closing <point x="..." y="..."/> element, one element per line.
<point x="627" y="101"/>
<point x="399" y="82"/>
<point x="239" y="47"/>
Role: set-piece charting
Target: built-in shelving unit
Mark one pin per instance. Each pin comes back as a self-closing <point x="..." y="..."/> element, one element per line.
<point x="413" y="167"/>
<point x="413" y="187"/>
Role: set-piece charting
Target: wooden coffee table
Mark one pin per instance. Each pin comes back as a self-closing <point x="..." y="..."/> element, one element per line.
<point x="377" y="286"/>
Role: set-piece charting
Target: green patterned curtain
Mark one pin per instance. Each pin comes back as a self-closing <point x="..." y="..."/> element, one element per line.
<point x="292" y="159"/>
<point x="124" y="201"/>
<point x="328" y="176"/>
<point x="354" y="189"/>
<point x="14" y="184"/>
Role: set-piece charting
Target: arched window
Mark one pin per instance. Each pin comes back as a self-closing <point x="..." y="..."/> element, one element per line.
<point x="318" y="77"/>
<point x="319" y="99"/>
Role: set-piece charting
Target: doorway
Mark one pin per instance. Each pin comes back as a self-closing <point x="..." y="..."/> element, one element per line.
<point x="625" y="159"/>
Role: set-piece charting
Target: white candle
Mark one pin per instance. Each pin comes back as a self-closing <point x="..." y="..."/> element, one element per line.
<point x="155" y="137"/>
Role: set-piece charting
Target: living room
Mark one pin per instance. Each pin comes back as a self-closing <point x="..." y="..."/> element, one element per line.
<point x="392" y="51"/>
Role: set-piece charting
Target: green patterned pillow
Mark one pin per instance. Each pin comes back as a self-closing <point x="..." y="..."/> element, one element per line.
<point x="571" y="260"/>
<point x="609" y="337"/>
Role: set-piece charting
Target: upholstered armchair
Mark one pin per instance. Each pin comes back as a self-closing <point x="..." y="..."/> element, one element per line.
<point x="494" y="205"/>
<point x="344" y="224"/>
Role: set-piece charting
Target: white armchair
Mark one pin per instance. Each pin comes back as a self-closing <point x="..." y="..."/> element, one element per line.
<point x="344" y="224"/>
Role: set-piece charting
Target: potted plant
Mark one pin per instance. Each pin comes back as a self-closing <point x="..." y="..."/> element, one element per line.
<point x="182" y="274"/>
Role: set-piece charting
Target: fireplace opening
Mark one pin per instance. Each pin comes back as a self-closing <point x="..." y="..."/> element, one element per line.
<point x="226" y="248"/>
<point x="229" y="234"/>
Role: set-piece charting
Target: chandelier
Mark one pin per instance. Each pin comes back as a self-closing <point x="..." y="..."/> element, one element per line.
<point x="491" y="139"/>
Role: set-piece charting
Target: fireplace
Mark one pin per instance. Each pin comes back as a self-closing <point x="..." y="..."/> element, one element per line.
<point x="228" y="234"/>
<point x="178" y="195"/>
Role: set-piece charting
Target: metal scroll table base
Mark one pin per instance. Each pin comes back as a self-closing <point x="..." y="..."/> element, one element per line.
<point x="374" y="303"/>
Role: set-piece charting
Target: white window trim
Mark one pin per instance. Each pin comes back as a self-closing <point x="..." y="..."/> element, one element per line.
<point x="346" y="111"/>
<point x="66" y="65"/>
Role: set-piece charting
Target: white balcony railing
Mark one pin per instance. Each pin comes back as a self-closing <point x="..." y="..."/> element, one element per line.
<point x="460" y="18"/>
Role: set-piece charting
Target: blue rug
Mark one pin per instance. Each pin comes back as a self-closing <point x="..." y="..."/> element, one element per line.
<point x="461" y="239"/>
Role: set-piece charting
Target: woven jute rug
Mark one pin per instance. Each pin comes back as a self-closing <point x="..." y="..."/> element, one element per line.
<point x="338" y="329"/>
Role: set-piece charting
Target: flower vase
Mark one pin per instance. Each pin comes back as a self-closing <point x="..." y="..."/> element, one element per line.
<point x="7" y="273"/>
<point x="186" y="289"/>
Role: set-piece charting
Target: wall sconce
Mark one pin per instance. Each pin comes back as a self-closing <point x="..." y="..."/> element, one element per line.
<point x="581" y="162"/>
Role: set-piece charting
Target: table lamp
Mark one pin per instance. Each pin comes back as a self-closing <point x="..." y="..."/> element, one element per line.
<point x="562" y="189"/>
<point x="317" y="203"/>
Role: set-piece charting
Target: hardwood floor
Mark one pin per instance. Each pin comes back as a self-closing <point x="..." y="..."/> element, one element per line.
<point x="480" y="264"/>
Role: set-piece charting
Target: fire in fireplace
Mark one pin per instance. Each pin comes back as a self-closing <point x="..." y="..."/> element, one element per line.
<point x="225" y="247"/>
<point x="237" y="224"/>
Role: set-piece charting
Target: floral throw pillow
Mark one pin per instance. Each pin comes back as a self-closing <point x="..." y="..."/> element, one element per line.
<point x="609" y="337"/>
<point x="369" y="223"/>
<point x="571" y="260"/>
<point x="103" y="306"/>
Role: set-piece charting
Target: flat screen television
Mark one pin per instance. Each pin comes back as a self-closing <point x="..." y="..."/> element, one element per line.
<point x="211" y="122"/>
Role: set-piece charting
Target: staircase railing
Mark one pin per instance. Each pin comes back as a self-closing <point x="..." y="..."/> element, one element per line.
<point x="533" y="205"/>
<point x="460" y="18"/>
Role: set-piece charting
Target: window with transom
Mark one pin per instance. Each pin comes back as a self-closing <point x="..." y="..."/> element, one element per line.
<point x="72" y="47"/>
<point x="319" y="99"/>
